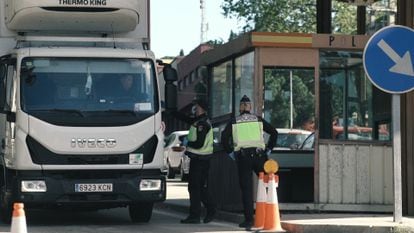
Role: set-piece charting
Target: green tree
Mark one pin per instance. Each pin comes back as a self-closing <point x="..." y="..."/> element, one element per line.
<point x="288" y="15"/>
<point x="215" y="42"/>
<point x="233" y="35"/>
<point x="344" y="20"/>
<point x="273" y="15"/>
<point x="277" y="81"/>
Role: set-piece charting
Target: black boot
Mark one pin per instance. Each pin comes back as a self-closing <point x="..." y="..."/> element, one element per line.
<point x="247" y="225"/>
<point x="210" y="216"/>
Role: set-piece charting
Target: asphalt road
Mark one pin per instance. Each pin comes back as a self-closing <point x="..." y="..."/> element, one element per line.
<point x="117" y="220"/>
<point x="114" y="220"/>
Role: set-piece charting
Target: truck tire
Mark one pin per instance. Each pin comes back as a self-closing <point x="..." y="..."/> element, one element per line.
<point x="141" y="212"/>
<point x="5" y="208"/>
<point x="184" y="177"/>
<point x="170" y="173"/>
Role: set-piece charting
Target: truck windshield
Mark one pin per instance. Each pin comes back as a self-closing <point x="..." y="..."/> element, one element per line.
<point x="88" y="91"/>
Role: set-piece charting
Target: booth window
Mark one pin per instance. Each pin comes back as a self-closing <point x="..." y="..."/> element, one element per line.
<point x="200" y="82"/>
<point x="231" y="79"/>
<point x="244" y="75"/>
<point x="351" y="108"/>
<point x="221" y="89"/>
<point x="289" y="96"/>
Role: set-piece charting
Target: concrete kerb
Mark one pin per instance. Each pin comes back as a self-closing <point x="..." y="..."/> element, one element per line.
<point x="348" y="225"/>
<point x="345" y="228"/>
<point x="404" y="229"/>
<point x="298" y="222"/>
<point x="319" y="226"/>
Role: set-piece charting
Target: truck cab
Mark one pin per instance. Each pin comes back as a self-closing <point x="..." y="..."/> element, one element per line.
<point x="80" y="107"/>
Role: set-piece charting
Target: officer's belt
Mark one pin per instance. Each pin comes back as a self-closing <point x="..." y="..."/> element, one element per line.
<point x="192" y="155"/>
<point x="249" y="151"/>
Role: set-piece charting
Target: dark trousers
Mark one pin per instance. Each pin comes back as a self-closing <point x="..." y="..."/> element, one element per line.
<point x="198" y="188"/>
<point x="248" y="161"/>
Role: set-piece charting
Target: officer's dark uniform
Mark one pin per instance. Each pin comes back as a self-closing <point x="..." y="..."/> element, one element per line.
<point x="244" y="136"/>
<point x="200" y="150"/>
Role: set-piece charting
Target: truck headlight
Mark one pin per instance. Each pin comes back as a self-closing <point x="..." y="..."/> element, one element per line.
<point x="150" y="185"/>
<point x="34" y="186"/>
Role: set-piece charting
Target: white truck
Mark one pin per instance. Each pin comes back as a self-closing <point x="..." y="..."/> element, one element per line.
<point x="80" y="122"/>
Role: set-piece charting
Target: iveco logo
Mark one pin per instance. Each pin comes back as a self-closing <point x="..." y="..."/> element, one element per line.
<point x="93" y="143"/>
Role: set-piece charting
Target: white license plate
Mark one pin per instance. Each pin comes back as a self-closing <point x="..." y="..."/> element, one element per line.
<point x="87" y="188"/>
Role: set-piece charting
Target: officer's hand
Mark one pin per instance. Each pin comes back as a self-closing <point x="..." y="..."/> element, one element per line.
<point x="232" y="156"/>
<point x="185" y="142"/>
<point x="268" y="152"/>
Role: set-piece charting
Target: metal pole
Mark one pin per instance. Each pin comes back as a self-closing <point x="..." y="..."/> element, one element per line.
<point x="203" y="33"/>
<point x="291" y="99"/>
<point x="396" y="126"/>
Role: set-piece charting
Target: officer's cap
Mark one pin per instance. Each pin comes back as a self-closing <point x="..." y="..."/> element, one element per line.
<point x="245" y="99"/>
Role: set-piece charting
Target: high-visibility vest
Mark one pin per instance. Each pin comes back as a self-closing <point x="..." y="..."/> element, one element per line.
<point x="248" y="132"/>
<point x="207" y="147"/>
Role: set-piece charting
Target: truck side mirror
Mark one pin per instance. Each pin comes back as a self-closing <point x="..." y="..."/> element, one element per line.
<point x="170" y="76"/>
<point x="170" y="96"/>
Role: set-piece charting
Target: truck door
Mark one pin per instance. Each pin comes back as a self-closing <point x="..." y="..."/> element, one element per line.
<point x="7" y="105"/>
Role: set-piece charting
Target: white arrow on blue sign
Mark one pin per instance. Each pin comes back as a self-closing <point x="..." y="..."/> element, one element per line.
<point x="387" y="59"/>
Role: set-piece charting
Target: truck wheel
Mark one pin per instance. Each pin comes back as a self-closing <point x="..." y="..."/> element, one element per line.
<point x="5" y="208"/>
<point x="170" y="173"/>
<point x="141" y="212"/>
<point x="184" y="177"/>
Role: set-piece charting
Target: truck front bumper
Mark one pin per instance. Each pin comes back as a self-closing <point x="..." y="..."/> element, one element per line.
<point x="61" y="188"/>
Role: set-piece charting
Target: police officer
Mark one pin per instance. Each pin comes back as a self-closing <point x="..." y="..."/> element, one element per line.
<point x="243" y="140"/>
<point x="199" y="144"/>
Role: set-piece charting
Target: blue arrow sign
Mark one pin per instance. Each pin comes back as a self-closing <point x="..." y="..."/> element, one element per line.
<point x="387" y="59"/>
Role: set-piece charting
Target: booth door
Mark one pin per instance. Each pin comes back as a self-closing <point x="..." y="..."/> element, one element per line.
<point x="289" y="105"/>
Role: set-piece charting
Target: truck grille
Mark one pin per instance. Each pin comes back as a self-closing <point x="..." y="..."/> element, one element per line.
<point x="41" y="155"/>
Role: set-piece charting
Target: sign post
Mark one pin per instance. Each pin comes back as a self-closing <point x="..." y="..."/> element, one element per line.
<point x="388" y="64"/>
<point x="396" y="126"/>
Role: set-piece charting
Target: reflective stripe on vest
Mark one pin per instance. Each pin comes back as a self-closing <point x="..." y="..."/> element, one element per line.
<point x="248" y="133"/>
<point x="207" y="147"/>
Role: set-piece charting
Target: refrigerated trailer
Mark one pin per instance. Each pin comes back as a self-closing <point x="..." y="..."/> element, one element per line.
<point x="80" y="107"/>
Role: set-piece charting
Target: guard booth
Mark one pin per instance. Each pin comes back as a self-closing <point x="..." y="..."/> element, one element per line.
<point x="310" y="84"/>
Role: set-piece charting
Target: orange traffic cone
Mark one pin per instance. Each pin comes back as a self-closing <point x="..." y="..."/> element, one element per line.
<point x="259" y="218"/>
<point x="272" y="218"/>
<point x="18" y="224"/>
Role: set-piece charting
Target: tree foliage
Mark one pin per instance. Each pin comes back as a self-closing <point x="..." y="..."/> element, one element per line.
<point x="288" y="15"/>
<point x="273" y="15"/>
<point x="277" y="83"/>
<point x="215" y="42"/>
<point x="344" y="18"/>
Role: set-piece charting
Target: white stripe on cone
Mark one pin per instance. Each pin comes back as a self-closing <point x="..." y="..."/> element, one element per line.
<point x="260" y="212"/>
<point x="18" y="224"/>
<point x="261" y="191"/>
<point x="272" y="216"/>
